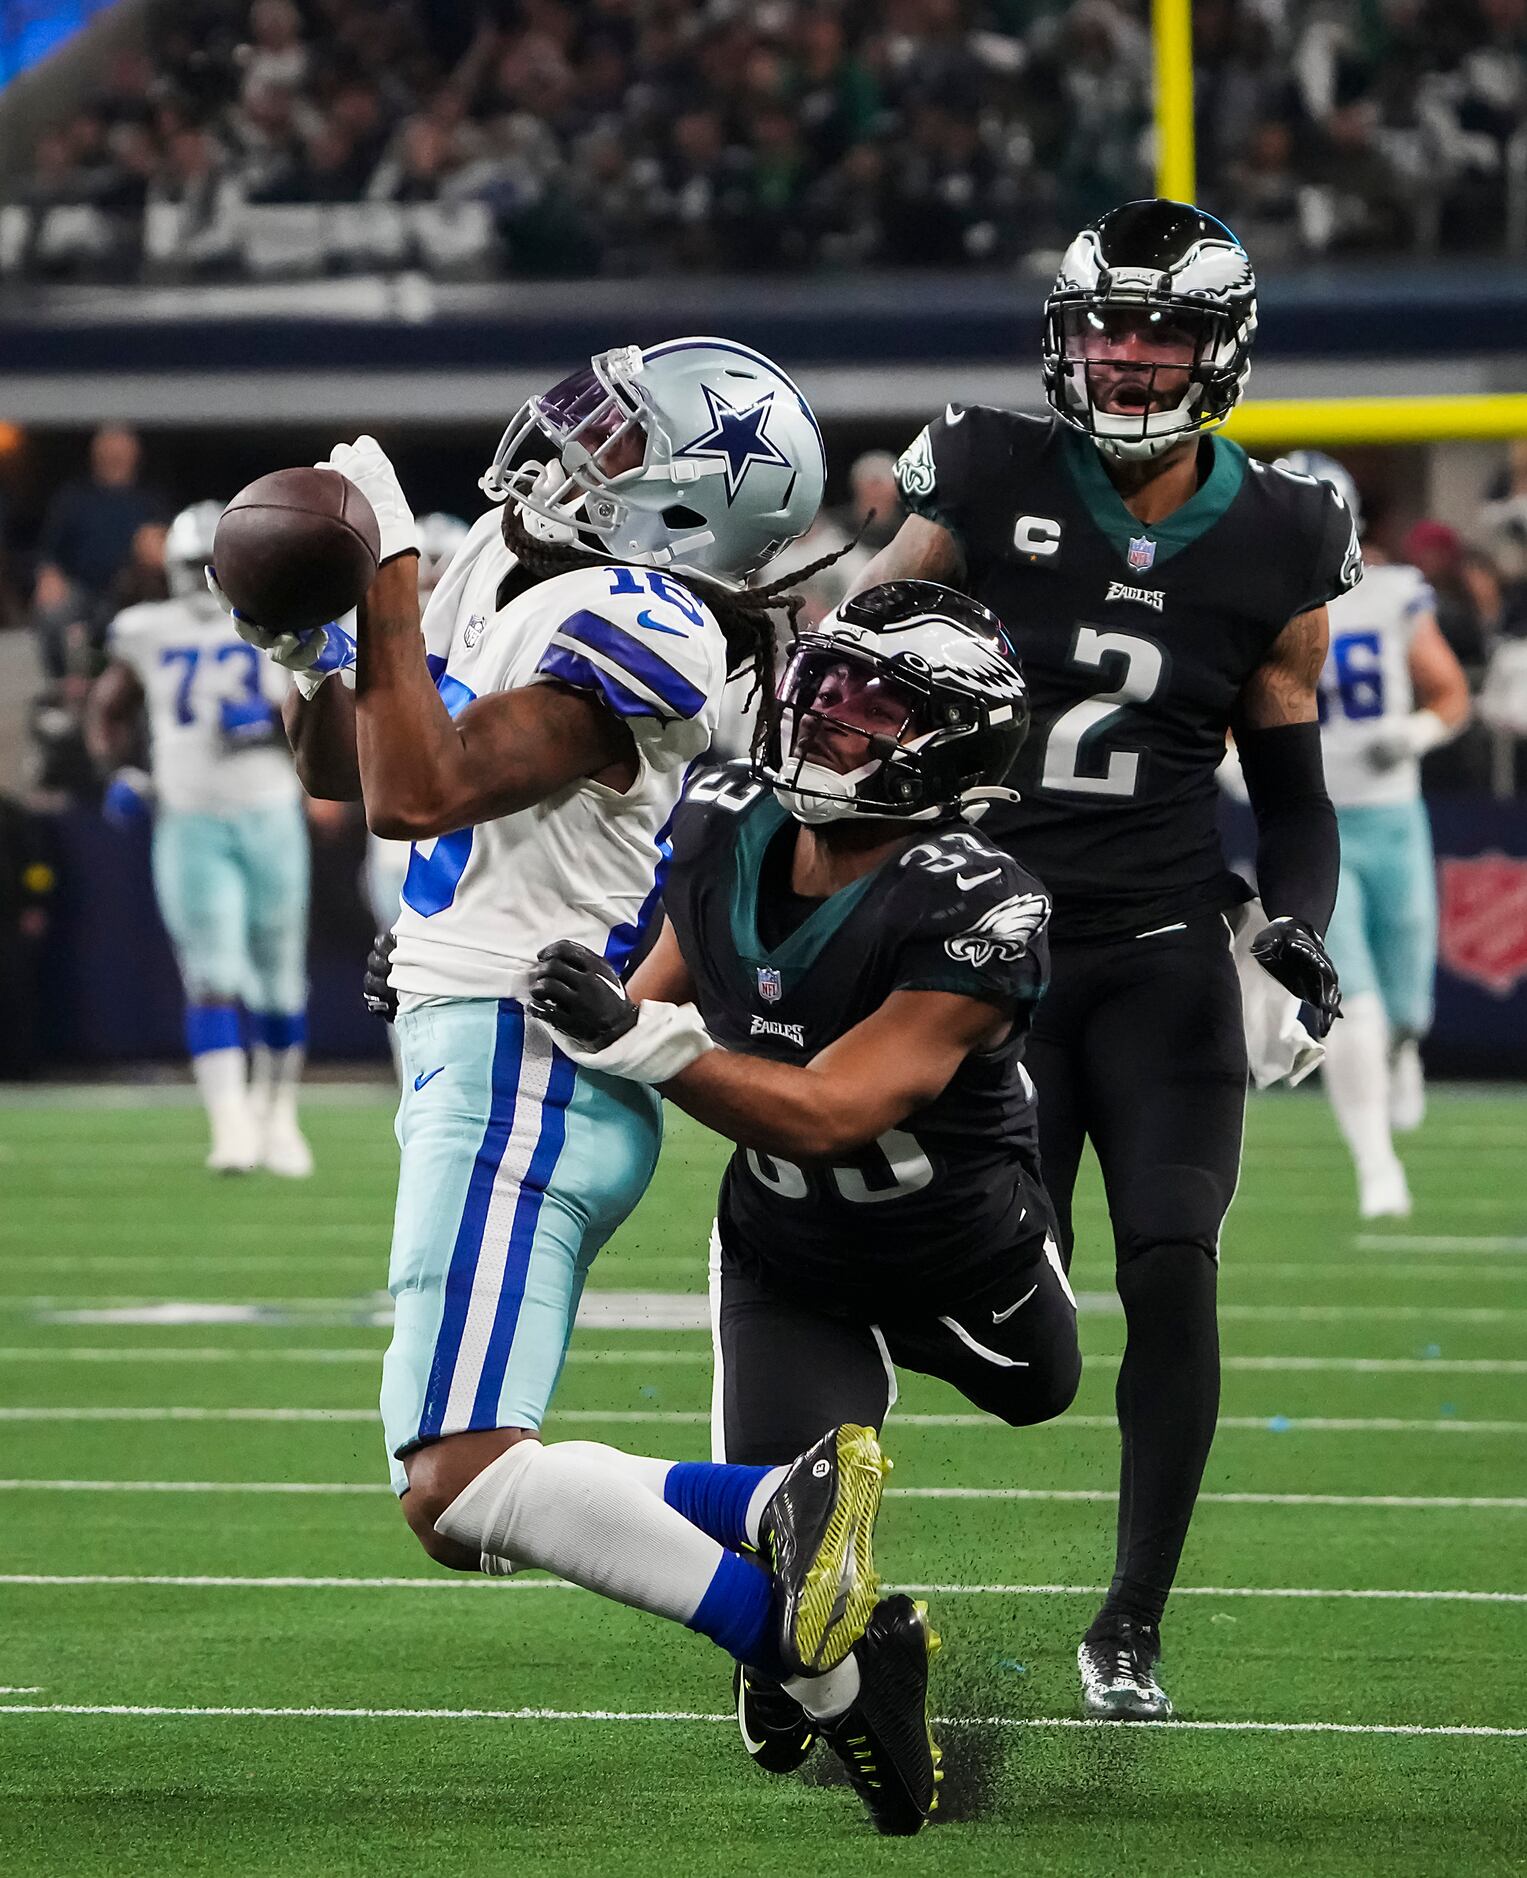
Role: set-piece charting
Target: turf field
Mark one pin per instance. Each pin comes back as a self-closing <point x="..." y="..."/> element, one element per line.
<point x="221" y="1652"/>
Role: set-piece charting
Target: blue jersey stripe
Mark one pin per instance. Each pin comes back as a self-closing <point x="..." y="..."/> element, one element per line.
<point x="625" y="938"/>
<point x="574" y="669"/>
<point x="639" y="661"/>
<point x="508" y="1054"/>
<point x="527" y="1212"/>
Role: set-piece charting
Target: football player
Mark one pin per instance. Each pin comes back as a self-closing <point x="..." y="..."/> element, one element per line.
<point x="230" y="846"/>
<point x="866" y="966"/>
<point x="1161" y="587"/>
<point x="1392" y="689"/>
<point x="530" y="742"/>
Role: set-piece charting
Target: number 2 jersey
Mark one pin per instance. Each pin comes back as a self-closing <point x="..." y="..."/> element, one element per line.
<point x="1136" y="640"/>
<point x="215" y="745"/>
<point x="586" y="862"/>
<point x="954" y="1188"/>
<point x="1365" y="689"/>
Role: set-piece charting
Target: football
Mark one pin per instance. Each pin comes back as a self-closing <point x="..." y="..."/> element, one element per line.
<point x="297" y="548"/>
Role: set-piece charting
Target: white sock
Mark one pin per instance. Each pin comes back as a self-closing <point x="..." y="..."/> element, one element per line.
<point x="598" y="1526"/>
<point x="220" y="1078"/>
<point x="1357" y="1081"/>
<point x="825" y="1698"/>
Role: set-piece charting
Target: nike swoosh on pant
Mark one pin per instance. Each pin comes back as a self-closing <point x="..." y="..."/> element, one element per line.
<point x="420" y="1081"/>
<point x="1001" y="1317"/>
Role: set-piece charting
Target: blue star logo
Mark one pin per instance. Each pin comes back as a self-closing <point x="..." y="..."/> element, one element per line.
<point x="737" y="438"/>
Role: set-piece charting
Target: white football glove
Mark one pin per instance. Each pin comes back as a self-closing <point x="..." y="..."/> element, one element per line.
<point x="1413" y="736"/>
<point x="311" y="656"/>
<point x="366" y="464"/>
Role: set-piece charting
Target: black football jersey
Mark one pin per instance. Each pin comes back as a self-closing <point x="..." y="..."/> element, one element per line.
<point x="1136" y="640"/>
<point x="956" y="1186"/>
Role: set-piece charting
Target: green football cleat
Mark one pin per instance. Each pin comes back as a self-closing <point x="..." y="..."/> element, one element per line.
<point x="885" y="1741"/>
<point x="816" y="1537"/>
<point x="776" y="1731"/>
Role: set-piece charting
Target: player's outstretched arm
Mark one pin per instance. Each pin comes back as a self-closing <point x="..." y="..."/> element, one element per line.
<point x="897" y="1060"/>
<point x="424" y="772"/>
<point x="321" y="731"/>
<point x="872" y="1078"/>
<point x="919" y="550"/>
<point x="1277" y="731"/>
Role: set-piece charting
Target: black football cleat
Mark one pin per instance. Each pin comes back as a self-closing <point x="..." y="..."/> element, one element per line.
<point x="776" y="1731"/>
<point x="1118" y="1659"/>
<point x="885" y="1741"/>
<point x="816" y="1537"/>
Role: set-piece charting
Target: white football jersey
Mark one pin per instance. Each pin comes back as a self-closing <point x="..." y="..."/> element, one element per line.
<point x="1365" y="688"/>
<point x="586" y="863"/>
<point x="203" y="686"/>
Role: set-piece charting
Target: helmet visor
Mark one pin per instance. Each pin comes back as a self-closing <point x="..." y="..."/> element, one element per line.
<point x="590" y="426"/>
<point x="844" y="711"/>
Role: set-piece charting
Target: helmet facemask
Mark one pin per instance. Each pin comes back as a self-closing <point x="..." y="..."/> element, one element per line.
<point x="1138" y="372"/>
<point x="842" y="723"/>
<point x="611" y="486"/>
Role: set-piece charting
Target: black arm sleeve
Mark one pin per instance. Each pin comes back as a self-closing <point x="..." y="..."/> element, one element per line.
<point x="1298" y="848"/>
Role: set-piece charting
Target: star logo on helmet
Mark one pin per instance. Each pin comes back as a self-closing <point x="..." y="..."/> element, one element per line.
<point x="737" y="438"/>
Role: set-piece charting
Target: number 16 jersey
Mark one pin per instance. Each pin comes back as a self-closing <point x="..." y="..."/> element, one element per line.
<point x="586" y="863"/>
<point x="1136" y="639"/>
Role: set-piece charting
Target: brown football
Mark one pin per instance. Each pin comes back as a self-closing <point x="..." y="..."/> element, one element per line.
<point x="297" y="548"/>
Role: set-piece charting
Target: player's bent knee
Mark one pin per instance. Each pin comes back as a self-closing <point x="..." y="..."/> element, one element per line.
<point x="437" y="1477"/>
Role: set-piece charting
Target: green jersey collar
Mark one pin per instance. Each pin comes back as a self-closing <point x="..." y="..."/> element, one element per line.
<point x="1174" y="532"/>
<point x="801" y="949"/>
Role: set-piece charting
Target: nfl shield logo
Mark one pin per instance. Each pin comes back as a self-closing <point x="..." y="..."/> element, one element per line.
<point x="1142" y="552"/>
<point x="770" y="986"/>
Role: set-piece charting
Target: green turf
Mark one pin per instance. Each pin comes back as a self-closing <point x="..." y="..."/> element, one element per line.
<point x="106" y="1207"/>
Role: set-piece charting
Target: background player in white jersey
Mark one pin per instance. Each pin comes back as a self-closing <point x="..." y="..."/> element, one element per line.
<point x="230" y="846"/>
<point x="1391" y="690"/>
<point x="440" y="537"/>
<point x="533" y="747"/>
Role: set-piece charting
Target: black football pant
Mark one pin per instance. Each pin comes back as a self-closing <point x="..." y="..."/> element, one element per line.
<point x="786" y="1371"/>
<point x="1138" y="1046"/>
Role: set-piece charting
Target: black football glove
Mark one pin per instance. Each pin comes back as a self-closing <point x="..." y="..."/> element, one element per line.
<point x="1294" y="955"/>
<point x="576" y="992"/>
<point x="381" y="998"/>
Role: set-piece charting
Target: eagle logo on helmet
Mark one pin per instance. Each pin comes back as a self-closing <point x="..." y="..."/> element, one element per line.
<point x="1005" y="931"/>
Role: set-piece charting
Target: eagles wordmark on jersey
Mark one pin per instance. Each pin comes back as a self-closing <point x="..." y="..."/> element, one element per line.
<point x="1136" y="639"/>
<point x="958" y="1184"/>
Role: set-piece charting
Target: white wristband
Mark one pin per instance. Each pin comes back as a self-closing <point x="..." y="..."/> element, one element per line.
<point x="665" y="1039"/>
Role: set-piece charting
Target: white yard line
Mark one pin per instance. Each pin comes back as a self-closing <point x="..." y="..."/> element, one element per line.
<point x="1257" y="1424"/>
<point x="1440" y="1242"/>
<point x="1396" y="1501"/>
<point x="459" y="1581"/>
<point x="156" y="1711"/>
<point x="1386" y="1365"/>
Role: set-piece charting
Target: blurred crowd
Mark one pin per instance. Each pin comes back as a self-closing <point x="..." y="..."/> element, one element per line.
<point x="622" y="137"/>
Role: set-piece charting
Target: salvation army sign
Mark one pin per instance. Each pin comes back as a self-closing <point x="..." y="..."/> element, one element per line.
<point x="1482" y="920"/>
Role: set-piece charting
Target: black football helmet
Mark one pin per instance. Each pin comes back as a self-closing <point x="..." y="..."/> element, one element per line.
<point x="1161" y="264"/>
<point x="907" y="703"/>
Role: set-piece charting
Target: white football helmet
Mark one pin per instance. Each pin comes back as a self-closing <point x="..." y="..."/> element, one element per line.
<point x="188" y="549"/>
<point x="1166" y="264"/>
<point x="696" y="454"/>
<point x="1325" y="469"/>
